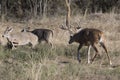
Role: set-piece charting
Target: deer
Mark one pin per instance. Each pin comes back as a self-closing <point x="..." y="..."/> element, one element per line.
<point x="20" y="38"/>
<point x="42" y="34"/>
<point x="85" y="37"/>
<point x="89" y="37"/>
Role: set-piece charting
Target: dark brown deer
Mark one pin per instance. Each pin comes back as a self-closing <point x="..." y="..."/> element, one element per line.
<point x="89" y="37"/>
<point x="42" y="34"/>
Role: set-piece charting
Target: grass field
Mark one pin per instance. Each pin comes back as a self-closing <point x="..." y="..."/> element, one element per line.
<point x="60" y="63"/>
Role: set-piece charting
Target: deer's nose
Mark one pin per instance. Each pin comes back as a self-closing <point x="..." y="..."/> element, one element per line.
<point x="69" y="42"/>
<point x="2" y="35"/>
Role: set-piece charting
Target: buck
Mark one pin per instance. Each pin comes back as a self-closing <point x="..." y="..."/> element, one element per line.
<point x="20" y="38"/>
<point x="89" y="37"/>
<point x="42" y="34"/>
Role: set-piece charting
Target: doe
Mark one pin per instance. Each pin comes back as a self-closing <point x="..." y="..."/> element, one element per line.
<point x="20" y="38"/>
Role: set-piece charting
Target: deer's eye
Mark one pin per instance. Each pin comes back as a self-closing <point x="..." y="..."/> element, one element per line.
<point x="70" y="37"/>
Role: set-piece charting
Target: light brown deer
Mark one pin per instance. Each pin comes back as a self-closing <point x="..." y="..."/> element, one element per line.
<point x="89" y="37"/>
<point x="20" y="38"/>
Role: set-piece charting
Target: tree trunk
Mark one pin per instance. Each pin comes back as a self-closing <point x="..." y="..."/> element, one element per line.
<point x="68" y="14"/>
<point x="3" y="9"/>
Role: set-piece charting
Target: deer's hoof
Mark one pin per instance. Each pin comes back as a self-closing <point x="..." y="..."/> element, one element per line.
<point x="79" y="61"/>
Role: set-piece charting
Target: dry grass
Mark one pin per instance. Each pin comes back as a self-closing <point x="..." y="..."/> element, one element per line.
<point x="60" y="63"/>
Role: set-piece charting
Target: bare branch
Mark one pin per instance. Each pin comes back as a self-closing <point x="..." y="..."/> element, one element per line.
<point x="68" y="14"/>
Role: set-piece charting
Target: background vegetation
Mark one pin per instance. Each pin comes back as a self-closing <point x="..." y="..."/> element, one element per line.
<point x="42" y="8"/>
<point x="59" y="63"/>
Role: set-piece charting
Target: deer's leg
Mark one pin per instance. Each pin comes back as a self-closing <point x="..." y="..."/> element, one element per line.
<point x="33" y="44"/>
<point x="78" y="53"/>
<point x="96" y="50"/>
<point x="49" y="42"/>
<point x="13" y="47"/>
<point x="9" y="45"/>
<point x="104" y="47"/>
<point x="51" y="45"/>
<point x="89" y="57"/>
<point x="15" y="44"/>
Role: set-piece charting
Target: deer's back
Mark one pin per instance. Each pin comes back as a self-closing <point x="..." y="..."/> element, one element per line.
<point x="23" y="37"/>
<point x="88" y="36"/>
<point x="42" y="33"/>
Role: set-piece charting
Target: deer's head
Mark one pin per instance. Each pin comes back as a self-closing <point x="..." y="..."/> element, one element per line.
<point x="7" y="32"/>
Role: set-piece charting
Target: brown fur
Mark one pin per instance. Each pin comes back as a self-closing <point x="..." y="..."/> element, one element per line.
<point x="89" y="37"/>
